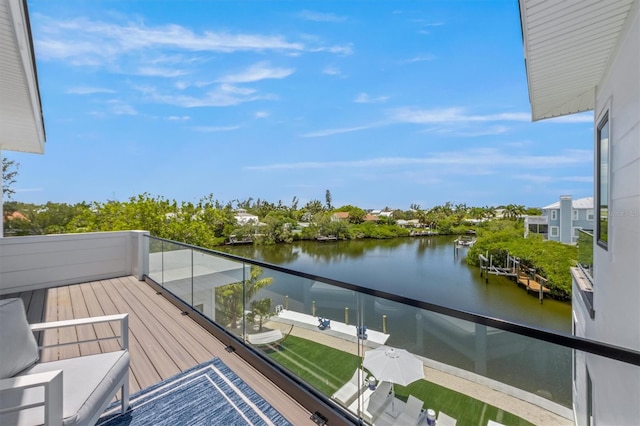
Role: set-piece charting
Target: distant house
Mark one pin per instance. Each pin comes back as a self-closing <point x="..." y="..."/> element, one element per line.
<point x="562" y="220"/>
<point x="337" y="216"/>
<point x="370" y="218"/>
<point x="15" y="216"/>
<point x="243" y="218"/>
<point x="411" y="223"/>
<point x="386" y="214"/>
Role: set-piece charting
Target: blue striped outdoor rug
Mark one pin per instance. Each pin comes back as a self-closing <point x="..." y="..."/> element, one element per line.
<point x="207" y="394"/>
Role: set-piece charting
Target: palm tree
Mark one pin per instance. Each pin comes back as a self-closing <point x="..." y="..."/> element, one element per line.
<point x="230" y="300"/>
<point x="489" y="212"/>
<point x="513" y="211"/>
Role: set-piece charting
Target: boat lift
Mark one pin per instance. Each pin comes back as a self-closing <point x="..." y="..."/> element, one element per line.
<point x="531" y="281"/>
<point x="487" y="267"/>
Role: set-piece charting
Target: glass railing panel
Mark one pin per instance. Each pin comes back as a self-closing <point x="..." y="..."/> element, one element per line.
<point x="177" y="267"/>
<point x="456" y="354"/>
<point x="155" y="271"/>
<point x="585" y="251"/>
<point x="218" y="290"/>
<point x="324" y="333"/>
<point x="310" y="328"/>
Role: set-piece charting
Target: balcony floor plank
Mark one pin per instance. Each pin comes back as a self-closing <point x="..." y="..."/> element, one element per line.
<point x="162" y="341"/>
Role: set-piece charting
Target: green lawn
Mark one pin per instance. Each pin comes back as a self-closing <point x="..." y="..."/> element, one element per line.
<point x="327" y="369"/>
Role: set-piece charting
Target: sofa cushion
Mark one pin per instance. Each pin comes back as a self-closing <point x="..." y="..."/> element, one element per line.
<point x="88" y="382"/>
<point x="18" y="346"/>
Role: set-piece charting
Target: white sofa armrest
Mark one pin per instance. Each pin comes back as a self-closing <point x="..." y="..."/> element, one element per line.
<point x="51" y="381"/>
<point x="123" y="318"/>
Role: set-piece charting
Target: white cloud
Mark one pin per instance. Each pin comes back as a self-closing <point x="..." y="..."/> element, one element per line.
<point x="88" y="90"/>
<point x="29" y="190"/>
<point x="160" y="72"/>
<point x="257" y="72"/>
<point x="467" y="158"/>
<point x="120" y="108"/>
<point x="215" y="128"/>
<point x="454" y="121"/>
<point x="83" y="41"/>
<point x="309" y="15"/>
<point x="261" y="114"/>
<point x="335" y="71"/>
<point x="179" y="118"/>
<point x="364" y="98"/>
<point x="222" y="95"/>
<point x="421" y="58"/>
<point x="337" y="49"/>
<point x="329" y="132"/>
<point x="452" y="115"/>
<point x="466" y="132"/>
<point x="541" y="178"/>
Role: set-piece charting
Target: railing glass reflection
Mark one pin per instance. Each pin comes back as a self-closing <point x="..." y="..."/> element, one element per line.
<point x="585" y="251"/>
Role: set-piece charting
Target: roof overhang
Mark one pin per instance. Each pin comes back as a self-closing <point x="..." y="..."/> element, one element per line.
<point x="567" y="47"/>
<point x="21" y="121"/>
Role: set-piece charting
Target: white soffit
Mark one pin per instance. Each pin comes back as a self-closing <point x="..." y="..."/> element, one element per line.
<point x="567" y="48"/>
<point x="21" y="122"/>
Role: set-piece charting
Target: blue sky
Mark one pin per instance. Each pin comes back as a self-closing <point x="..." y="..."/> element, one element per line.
<point x="383" y="103"/>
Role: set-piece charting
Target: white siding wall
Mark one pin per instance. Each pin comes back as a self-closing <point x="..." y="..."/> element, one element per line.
<point x="617" y="288"/>
<point x="29" y="263"/>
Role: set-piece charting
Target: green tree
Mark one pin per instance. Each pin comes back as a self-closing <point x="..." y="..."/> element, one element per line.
<point x="230" y="299"/>
<point x="260" y="312"/>
<point x="513" y="211"/>
<point x="314" y="207"/>
<point x="327" y="197"/>
<point x="9" y="174"/>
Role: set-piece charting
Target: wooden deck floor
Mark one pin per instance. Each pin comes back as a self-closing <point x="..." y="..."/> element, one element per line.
<point x="162" y="342"/>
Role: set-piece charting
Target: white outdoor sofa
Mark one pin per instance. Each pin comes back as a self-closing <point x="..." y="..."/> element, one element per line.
<point x="350" y="390"/>
<point x="72" y="391"/>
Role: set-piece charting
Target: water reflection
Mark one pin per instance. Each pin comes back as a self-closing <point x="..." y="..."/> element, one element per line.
<point x="423" y="268"/>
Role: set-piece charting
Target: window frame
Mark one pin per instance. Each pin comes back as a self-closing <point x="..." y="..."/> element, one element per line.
<point x="554" y="214"/>
<point x="604" y="121"/>
<point x="590" y="214"/>
<point x="576" y="214"/>
<point x="552" y="228"/>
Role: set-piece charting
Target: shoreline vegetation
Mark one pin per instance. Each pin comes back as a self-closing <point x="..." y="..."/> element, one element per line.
<point x="210" y="223"/>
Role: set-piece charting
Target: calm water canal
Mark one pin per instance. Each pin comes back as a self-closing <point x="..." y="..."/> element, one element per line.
<point x="422" y="268"/>
<point x="426" y="269"/>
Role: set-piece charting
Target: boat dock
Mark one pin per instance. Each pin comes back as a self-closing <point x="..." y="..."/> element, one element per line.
<point x="533" y="282"/>
<point x="422" y="233"/>
<point x="523" y="276"/>
<point x="325" y="238"/>
<point x="233" y="240"/>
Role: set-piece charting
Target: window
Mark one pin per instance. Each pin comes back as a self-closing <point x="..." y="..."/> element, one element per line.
<point x="576" y="232"/>
<point x="590" y="214"/>
<point x="576" y="214"/>
<point x="554" y="231"/>
<point x="554" y="214"/>
<point x="602" y="185"/>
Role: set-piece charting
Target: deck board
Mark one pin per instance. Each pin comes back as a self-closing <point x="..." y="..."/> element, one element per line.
<point x="162" y="341"/>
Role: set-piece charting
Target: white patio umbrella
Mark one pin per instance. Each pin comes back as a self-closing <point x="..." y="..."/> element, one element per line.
<point x="393" y="365"/>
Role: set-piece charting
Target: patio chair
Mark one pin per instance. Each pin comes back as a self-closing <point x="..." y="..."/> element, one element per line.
<point x="377" y="402"/>
<point x="445" y="420"/>
<point x="72" y="391"/>
<point x="349" y="391"/>
<point x="411" y="413"/>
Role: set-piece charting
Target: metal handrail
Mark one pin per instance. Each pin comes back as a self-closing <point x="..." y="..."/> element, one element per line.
<point x="606" y="350"/>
